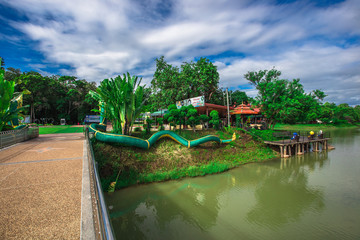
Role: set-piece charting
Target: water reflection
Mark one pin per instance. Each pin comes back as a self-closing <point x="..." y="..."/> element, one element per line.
<point x="276" y="193"/>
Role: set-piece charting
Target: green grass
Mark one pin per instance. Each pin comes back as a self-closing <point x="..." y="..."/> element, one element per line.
<point x="313" y="127"/>
<point x="60" y="129"/>
<point x="168" y="160"/>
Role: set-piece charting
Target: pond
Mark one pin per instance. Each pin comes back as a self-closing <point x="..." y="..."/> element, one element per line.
<point x="311" y="196"/>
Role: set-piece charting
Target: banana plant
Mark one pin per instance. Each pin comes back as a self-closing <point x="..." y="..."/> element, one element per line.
<point x="9" y="101"/>
<point x="122" y="99"/>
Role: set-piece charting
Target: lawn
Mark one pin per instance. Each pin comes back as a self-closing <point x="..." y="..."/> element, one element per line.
<point x="312" y="127"/>
<point x="60" y="129"/>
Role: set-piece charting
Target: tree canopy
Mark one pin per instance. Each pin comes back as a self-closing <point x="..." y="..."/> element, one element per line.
<point x="282" y="100"/>
<point x="171" y="84"/>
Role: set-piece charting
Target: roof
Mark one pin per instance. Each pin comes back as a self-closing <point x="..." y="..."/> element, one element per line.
<point x="245" y="109"/>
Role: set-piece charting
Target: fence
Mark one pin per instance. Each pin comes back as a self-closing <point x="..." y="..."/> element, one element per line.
<point x="101" y="217"/>
<point x="302" y="136"/>
<point x="8" y="138"/>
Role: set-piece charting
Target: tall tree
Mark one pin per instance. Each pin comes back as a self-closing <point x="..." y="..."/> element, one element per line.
<point x="283" y="100"/>
<point x="169" y="84"/>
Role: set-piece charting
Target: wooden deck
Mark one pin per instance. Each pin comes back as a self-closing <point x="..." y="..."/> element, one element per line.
<point x="289" y="147"/>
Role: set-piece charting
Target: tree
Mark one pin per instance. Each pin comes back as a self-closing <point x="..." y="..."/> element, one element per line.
<point x="2" y="63"/>
<point x="215" y="120"/>
<point x="193" y="117"/>
<point x="173" y="116"/>
<point x="122" y="99"/>
<point x="161" y="124"/>
<point x="147" y="124"/>
<point x="238" y="97"/>
<point x="169" y="84"/>
<point x="204" y="119"/>
<point x="200" y="78"/>
<point x="282" y="100"/>
<point x="165" y="85"/>
<point x="12" y="74"/>
<point x="9" y="108"/>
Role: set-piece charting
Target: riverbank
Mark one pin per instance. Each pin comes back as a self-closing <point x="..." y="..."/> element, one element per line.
<point x="169" y="160"/>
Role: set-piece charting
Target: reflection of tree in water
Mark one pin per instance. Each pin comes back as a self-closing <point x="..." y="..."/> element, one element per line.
<point x="281" y="191"/>
<point x="193" y="201"/>
<point x="283" y="196"/>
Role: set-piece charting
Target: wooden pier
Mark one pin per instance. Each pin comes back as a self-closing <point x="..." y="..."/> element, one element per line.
<point x="297" y="147"/>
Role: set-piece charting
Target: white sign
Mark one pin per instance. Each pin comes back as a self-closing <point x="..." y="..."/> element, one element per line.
<point x="196" y="102"/>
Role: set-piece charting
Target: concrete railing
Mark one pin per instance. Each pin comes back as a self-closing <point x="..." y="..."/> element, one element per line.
<point x="102" y="224"/>
<point x="8" y="138"/>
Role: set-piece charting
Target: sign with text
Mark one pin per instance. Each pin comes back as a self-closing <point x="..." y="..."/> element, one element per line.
<point x="92" y="119"/>
<point x="196" y="102"/>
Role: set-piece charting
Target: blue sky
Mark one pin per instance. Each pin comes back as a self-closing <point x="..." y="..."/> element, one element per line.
<point x="316" y="41"/>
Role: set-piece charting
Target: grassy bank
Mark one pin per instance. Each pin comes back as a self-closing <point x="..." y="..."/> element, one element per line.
<point x="170" y="160"/>
<point x="60" y="129"/>
<point x="312" y="127"/>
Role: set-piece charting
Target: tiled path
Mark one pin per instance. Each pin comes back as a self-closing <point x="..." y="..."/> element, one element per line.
<point x="40" y="188"/>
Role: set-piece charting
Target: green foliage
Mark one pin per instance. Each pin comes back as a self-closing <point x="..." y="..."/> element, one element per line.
<point x="282" y="100"/>
<point x="169" y="84"/>
<point x="9" y="99"/>
<point x="173" y="116"/>
<point x="54" y="97"/>
<point x="215" y="119"/>
<point x="161" y="124"/>
<point x="238" y="97"/>
<point x="204" y="119"/>
<point x="147" y="125"/>
<point x="122" y="100"/>
<point x="193" y="117"/>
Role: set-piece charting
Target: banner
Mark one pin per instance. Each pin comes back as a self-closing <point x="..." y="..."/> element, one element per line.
<point x="196" y="102"/>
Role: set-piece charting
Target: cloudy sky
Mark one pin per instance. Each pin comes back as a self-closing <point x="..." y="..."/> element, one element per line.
<point x="316" y="41"/>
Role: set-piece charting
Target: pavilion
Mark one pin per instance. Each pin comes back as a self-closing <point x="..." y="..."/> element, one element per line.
<point x="247" y="113"/>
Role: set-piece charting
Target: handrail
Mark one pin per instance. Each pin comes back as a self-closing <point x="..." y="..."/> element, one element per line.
<point x="103" y="223"/>
<point x="8" y="138"/>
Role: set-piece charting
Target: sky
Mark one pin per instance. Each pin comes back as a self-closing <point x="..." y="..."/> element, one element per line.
<point x="315" y="41"/>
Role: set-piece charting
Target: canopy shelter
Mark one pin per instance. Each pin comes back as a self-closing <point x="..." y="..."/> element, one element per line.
<point x="248" y="114"/>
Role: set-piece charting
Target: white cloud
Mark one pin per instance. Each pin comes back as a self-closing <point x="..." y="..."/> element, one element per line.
<point x="102" y="38"/>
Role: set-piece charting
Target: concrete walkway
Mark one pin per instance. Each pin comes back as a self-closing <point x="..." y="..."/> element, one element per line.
<point x="40" y="188"/>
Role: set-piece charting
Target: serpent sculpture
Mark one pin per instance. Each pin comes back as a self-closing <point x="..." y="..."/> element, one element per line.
<point x="101" y="135"/>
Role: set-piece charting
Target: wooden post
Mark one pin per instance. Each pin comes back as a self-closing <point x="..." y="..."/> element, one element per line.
<point x="289" y="151"/>
<point x="282" y="151"/>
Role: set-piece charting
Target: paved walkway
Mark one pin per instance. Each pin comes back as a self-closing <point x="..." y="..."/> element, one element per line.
<point x="40" y="188"/>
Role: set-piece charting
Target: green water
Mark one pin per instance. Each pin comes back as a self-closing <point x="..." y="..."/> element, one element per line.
<point x="313" y="196"/>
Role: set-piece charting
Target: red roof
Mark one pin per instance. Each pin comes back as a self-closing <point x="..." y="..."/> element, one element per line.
<point x="246" y="110"/>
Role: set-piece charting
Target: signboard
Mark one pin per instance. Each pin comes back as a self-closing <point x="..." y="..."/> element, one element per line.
<point x="196" y="102"/>
<point x="92" y="119"/>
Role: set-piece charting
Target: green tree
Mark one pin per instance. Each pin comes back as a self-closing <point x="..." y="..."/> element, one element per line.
<point x="147" y="125"/>
<point x="169" y="84"/>
<point x="8" y="101"/>
<point x="161" y="124"/>
<point x="122" y="99"/>
<point x="282" y="100"/>
<point x="173" y="116"/>
<point x="204" y="119"/>
<point x="238" y="97"/>
<point x="12" y="74"/>
<point x="192" y="116"/>
<point x="2" y="63"/>
<point x="215" y="119"/>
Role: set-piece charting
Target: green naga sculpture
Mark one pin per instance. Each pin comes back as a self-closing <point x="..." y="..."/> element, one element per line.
<point x="101" y="135"/>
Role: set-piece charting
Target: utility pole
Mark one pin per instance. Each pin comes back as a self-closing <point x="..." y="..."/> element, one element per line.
<point x="228" y="112"/>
